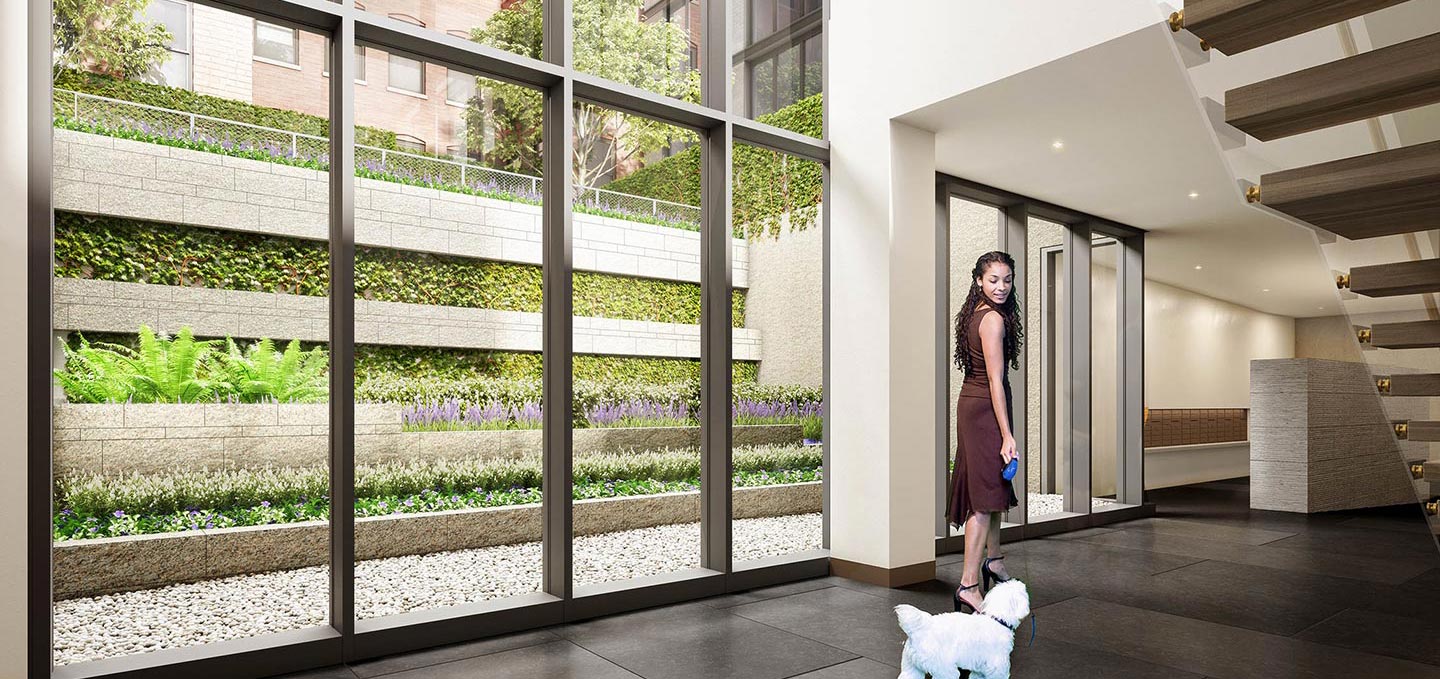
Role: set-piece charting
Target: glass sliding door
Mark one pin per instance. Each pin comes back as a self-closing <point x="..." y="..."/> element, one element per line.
<point x="190" y="316"/>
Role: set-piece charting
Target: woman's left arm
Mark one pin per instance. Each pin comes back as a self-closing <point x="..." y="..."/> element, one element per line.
<point x="992" y="332"/>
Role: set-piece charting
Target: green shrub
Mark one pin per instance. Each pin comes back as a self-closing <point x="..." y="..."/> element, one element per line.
<point x="120" y="249"/>
<point x="767" y="185"/>
<point x="101" y="495"/>
<point x="159" y="369"/>
<point x="813" y="428"/>
<point x="181" y="99"/>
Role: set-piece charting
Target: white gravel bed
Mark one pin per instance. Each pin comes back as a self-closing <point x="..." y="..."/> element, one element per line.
<point x="248" y="605"/>
<point x="1041" y="504"/>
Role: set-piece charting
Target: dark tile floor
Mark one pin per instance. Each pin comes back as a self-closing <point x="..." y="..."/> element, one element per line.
<point x="1207" y="588"/>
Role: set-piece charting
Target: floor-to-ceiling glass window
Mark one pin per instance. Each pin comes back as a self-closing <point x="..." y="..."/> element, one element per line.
<point x="1105" y="422"/>
<point x="974" y="229"/>
<point x="448" y="356"/>
<point x="191" y="275"/>
<point x="637" y="310"/>
<point x="1045" y="359"/>
<point x="777" y="368"/>
<point x="776" y="49"/>
<point x="193" y="369"/>
<point x="1065" y="336"/>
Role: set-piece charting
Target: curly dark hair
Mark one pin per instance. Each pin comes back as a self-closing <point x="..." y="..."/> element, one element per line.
<point x="1010" y="310"/>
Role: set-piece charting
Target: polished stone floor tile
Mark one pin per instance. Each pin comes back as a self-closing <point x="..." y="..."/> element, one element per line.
<point x="1208" y="530"/>
<point x="763" y="593"/>
<point x="452" y="652"/>
<point x="1392" y="571"/>
<point x="1048" y="658"/>
<point x="859" y="668"/>
<point x="1082" y="533"/>
<point x="692" y="639"/>
<point x="1211" y="649"/>
<point x="337" y="672"/>
<point x="1379" y="633"/>
<point x="557" y="659"/>
<point x="836" y="616"/>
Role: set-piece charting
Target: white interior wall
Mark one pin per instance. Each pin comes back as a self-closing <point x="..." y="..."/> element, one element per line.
<point x="882" y="64"/>
<point x="13" y="46"/>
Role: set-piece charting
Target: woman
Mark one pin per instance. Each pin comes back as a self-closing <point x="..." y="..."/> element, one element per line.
<point x="988" y="334"/>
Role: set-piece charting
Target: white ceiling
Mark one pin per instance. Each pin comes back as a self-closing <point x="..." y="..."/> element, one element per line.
<point x="1137" y="142"/>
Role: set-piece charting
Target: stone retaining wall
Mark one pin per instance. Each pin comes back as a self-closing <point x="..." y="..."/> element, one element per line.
<point x="151" y="438"/>
<point x="111" y="306"/>
<point x="108" y="565"/>
<point x="97" y="174"/>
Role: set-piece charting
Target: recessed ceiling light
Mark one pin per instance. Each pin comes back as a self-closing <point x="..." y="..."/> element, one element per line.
<point x="1197" y="267"/>
<point x="1194" y="195"/>
<point x="1266" y="290"/>
<point x="1057" y="145"/>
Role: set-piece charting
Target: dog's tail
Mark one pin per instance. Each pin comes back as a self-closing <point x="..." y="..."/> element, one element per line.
<point x="911" y="618"/>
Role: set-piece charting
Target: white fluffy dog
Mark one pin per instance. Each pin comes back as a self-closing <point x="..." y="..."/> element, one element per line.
<point x="942" y="645"/>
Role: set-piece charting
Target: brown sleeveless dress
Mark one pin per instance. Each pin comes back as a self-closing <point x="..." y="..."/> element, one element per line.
<point x="976" y="484"/>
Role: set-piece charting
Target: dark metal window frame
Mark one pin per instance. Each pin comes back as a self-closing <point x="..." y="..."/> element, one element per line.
<point x="1011" y="234"/>
<point x="769" y="48"/>
<point x="344" y="638"/>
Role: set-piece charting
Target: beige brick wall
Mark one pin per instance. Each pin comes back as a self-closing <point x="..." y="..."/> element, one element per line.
<point x="223" y="44"/>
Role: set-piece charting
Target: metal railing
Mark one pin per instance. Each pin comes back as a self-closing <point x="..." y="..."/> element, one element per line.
<point x="230" y="134"/>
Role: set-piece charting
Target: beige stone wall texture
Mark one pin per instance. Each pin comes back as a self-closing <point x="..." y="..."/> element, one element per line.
<point x="155" y="438"/>
<point x="96" y="174"/>
<point x="786" y="304"/>
<point x="1320" y="438"/>
<point x="110" y="306"/>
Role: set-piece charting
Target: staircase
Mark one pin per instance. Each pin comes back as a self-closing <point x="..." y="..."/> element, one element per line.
<point x="1393" y="193"/>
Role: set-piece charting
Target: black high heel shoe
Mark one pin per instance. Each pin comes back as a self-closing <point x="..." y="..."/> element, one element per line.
<point x="986" y="575"/>
<point x="961" y="603"/>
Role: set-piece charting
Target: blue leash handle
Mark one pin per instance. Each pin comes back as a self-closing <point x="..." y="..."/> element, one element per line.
<point x="1032" y="631"/>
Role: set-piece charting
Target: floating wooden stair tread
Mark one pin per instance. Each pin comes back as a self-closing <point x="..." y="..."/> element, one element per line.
<point x="1432" y="470"/>
<point x="1400" y="278"/>
<point x="1377" y="194"/>
<point x="1390" y="79"/>
<point x="1407" y="335"/>
<point x="1233" y="26"/>
<point x="1424" y="430"/>
<point x="1420" y="384"/>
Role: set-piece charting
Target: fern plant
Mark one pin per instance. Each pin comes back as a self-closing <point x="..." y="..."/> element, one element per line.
<point x="263" y="374"/>
<point x="160" y="370"/>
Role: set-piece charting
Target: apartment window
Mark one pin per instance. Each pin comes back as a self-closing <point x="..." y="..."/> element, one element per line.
<point x="784" y="59"/>
<point x="277" y="43"/>
<point x="359" y="61"/>
<point x="459" y="87"/>
<point x="407" y="75"/>
<point x="175" y="16"/>
<point x="410" y="142"/>
<point x="676" y="12"/>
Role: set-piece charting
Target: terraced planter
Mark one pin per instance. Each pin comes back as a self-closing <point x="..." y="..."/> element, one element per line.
<point x="150" y="438"/>
<point x="108" y="565"/>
